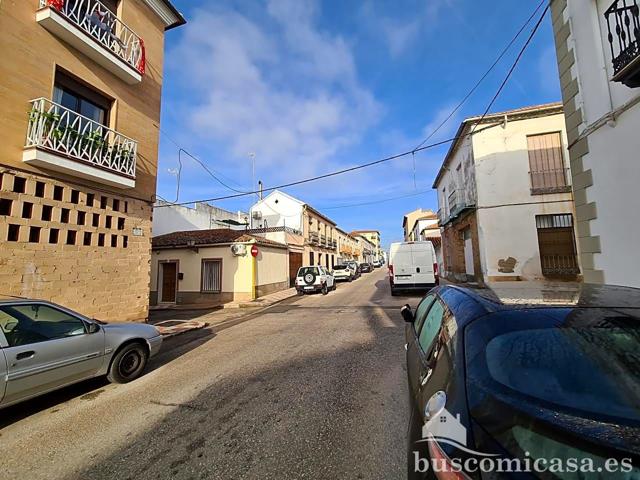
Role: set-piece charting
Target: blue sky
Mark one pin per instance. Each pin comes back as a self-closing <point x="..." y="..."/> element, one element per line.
<point x="315" y="86"/>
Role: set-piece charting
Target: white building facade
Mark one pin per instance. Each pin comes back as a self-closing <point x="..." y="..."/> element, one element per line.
<point x="599" y="65"/>
<point x="505" y="203"/>
<point x="168" y="218"/>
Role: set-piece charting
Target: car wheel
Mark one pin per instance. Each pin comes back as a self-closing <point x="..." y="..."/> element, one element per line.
<point x="325" y="290"/>
<point x="128" y="363"/>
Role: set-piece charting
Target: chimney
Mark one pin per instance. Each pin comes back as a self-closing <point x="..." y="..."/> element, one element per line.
<point x="260" y="189"/>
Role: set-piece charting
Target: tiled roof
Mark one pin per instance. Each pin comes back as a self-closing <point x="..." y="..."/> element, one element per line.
<point x="210" y="237"/>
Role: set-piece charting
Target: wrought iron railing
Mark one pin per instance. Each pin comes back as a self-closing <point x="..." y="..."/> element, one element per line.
<point x="559" y="265"/>
<point x="550" y="181"/>
<point x="96" y="20"/>
<point x="62" y="131"/>
<point x="623" y="25"/>
<point x="314" y="237"/>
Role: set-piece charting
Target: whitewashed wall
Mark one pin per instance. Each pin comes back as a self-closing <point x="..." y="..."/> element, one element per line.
<point x="614" y="148"/>
<point x="278" y="210"/>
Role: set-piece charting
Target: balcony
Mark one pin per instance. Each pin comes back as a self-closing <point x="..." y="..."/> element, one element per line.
<point x="559" y="265"/>
<point x="90" y="27"/>
<point x="550" y="181"/>
<point x="314" y="238"/>
<point x="62" y="140"/>
<point x="459" y="201"/>
<point x="623" y="25"/>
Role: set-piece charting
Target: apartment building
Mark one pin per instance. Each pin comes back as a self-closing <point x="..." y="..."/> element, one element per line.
<point x="349" y="247"/>
<point x="373" y="237"/>
<point x="598" y="52"/>
<point x="319" y="233"/>
<point x="505" y="203"/>
<point x="80" y="88"/>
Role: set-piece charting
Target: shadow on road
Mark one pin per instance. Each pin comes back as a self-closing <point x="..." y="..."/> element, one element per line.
<point x="172" y="348"/>
<point x="309" y="415"/>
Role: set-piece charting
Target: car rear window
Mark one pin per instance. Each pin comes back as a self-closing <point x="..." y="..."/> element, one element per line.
<point x="304" y="270"/>
<point x="340" y="267"/>
<point x="584" y="361"/>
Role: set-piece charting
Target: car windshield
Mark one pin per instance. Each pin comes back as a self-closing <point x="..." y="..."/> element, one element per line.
<point x="304" y="270"/>
<point x="530" y="358"/>
<point x="340" y="267"/>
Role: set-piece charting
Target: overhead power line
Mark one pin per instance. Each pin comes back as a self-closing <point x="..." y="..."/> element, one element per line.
<point x="320" y="177"/>
<point x="512" y="69"/>
<point x="396" y="156"/>
<point x="486" y="74"/>
<point x="374" y="202"/>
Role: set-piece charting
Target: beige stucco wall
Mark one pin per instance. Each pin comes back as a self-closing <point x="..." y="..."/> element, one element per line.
<point x="272" y="266"/>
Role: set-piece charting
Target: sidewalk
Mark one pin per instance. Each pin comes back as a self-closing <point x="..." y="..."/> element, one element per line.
<point x="172" y="322"/>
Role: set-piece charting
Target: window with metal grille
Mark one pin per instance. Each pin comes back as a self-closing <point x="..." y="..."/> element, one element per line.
<point x="556" y="241"/>
<point x="211" y="276"/>
<point x="546" y="164"/>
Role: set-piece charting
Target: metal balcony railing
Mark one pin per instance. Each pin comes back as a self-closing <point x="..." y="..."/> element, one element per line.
<point x="550" y="181"/>
<point x="59" y="130"/>
<point x="559" y="265"/>
<point x="314" y="237"/>
<point x="96" y="20"/>
<point x="623" y="25"/>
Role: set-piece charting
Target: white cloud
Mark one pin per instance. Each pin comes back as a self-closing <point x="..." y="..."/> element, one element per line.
<point x="400" y="33"/>
<point x="275" y="85"/>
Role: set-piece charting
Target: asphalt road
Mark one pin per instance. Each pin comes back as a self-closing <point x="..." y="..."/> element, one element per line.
<point x="314" y="387"/>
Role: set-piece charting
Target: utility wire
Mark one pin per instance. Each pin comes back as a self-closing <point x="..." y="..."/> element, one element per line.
<point x="511" y="70"/>
<point x="396" y="156"/>
<point x="326" y="175"/>
<point x="350" y="205"/>
<point x="486" y="74"/>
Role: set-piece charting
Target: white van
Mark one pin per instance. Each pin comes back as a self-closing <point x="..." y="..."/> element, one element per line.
<point x="412" y="266"/>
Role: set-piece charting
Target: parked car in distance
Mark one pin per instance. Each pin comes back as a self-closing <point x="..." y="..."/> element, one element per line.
<point x="377" y="264"/>
<point x="342" y="272"/>
<point x="44" y="347"/>
<point x="556" y="376"/>
<point x="314" y="279"/>
<point x="355" y="267"/>
<point x="366" y="267"/>
<point x="412" y="266"/>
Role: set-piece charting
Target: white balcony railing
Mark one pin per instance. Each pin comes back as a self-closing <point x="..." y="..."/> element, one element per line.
<point x="61" y="131"/>
<point x="97" y="21"/>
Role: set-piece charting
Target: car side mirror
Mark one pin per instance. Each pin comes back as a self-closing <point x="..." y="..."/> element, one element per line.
<point x="94" y="328"/>
<point x="407" y="314"/>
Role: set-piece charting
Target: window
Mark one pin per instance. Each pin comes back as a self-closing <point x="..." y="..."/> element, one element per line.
<point x="120" y="223"/>
<point x="546" y="164"/>
<point x="107" y="222"/>
<point x="34" y="234"/>
<point x="101" y="239"/>
<point x="96" y="220"/>
<point x="90" y="198"/>
<point x="431" y="326"/>
<point x="421" y="312"/>
<point x="64" y="215"/>
<point x="75" y="197"/>
<point x="13" y="233"/>
<point x="81" y="218"/>
<point x="57" y="192"/>
<point x="79" y="98"/>
<point x="116" y="204"/>
<point x="558" y="256"/>
<point x="87" y="239"/>
<point x="103" y="202"/>
<point x="211" y="276"/>
<point x="71" y="237"/>
<point x="27" y="210"/>
<point x="35" y="323"/>
<point x="54" y="233"/>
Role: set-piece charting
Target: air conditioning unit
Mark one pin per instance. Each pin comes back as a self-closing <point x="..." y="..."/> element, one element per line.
<point x="256" y="215"/>
<point x="239" y="249"/>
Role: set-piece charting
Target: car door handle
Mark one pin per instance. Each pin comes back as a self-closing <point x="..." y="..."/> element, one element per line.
<point x="418" y="270"/>
<point x="25" y="355"/>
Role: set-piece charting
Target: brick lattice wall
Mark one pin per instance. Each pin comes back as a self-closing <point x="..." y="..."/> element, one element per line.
<point x="102" y="270"/>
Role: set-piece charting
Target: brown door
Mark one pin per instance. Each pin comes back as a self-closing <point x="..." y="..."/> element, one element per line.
<point x="295" y="262"/>
<point x="169" y="275"/>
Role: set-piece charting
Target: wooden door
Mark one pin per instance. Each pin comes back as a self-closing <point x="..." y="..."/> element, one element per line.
<point x="295" y="262"/>
<point x="169" y="282"/>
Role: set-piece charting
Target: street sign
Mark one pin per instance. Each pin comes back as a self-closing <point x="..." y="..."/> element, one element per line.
<point x="254" y="251"/>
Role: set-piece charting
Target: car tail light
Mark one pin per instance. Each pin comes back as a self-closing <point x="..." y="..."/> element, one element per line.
<point x="447" y="470"/>
<point x="436" y="273"/>
<point x="391" y="271"/>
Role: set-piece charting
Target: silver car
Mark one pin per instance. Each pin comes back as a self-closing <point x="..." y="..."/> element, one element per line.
<point x="44" y="347"/>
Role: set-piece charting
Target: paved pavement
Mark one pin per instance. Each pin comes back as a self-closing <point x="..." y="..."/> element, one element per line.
<point x="313" y="387"/>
